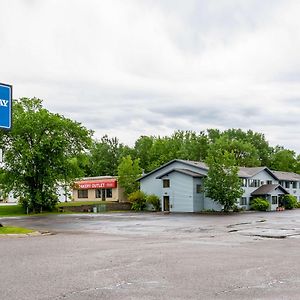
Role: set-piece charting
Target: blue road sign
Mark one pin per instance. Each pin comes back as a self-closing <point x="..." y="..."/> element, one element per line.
<point x="5" y="106"/>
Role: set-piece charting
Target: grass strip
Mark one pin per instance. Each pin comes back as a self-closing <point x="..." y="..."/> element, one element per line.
<point x="14" y="230"/>
<point x="11" y="210"/>
<point x="80" y="203"/>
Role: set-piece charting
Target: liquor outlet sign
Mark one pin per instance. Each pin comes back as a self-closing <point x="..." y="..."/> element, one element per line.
<point x="96" y="184"/>
<point x="5" y="106"/>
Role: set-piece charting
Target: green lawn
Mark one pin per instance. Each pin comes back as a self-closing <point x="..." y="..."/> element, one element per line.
<point x="11" y="210"/>
<point x="79" y="203"/>
<point x="17" y="210"/>
<point x="14" y="230"/>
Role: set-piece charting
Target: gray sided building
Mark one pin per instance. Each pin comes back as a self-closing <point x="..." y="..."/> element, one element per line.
<point x="179" y="185"/>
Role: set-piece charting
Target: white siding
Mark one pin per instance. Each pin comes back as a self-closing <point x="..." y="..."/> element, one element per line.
<point x="293" y="191"/>
<point x="151" y="185"/>
<point x="180" y="192"/>
<point x="210" y="204"/>
<point x="263" y="176"/>
<point x="198" y="197"/>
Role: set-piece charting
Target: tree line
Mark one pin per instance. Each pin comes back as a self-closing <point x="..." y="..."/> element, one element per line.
<point x="249" y="149"/>
<point x="44" y="150"/>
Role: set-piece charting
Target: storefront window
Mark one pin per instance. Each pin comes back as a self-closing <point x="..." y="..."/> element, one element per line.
<point x="108" y="193"/>
<point x="98" y="193"/>
<point x="82" y="193"/>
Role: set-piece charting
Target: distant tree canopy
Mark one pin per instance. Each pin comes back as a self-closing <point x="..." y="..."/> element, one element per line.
<point x="42" y="150"/>
<point x="249" y="148"/>
<point x="104" y="157"/>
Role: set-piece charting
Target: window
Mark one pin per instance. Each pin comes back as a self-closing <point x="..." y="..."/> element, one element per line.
<point x="244" y="182"/>
<point x="281" y="183"/>
<point x="287" y="184"/>
<point x="250" y="200"/>
<point x="198" y="188"/>
<point x="103" y="193"/>
<point x="269" y="181"/>
<point x="82" y="193"/>
<point x="254" y="182"/>
<point x="108" y="193"/>
<point x="274" y="200"/>
<point x="98" y="193"/>
<point x="294" y="184"/>
<point x="243" y="201"/>
<point x="166" y="183"/>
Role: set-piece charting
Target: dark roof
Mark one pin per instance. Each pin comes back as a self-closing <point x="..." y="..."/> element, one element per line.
<point x="266" y="189"/>
<point x="286" y="176"/>
<point x="250" y="172"/>
<point x="182" y="171"/>
<point x="198" y="164"/>
<point x="243" y="172"/>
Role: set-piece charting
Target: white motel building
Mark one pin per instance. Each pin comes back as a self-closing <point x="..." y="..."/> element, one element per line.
<point x="179" y="185"/>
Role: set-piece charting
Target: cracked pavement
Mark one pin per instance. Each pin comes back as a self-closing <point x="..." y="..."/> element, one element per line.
<point x="153" y="256"/>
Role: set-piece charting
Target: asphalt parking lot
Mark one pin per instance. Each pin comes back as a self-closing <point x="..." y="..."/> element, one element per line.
<point x="153" y="256"/>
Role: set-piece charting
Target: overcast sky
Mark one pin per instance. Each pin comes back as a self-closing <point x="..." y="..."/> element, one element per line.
<point x="128" y="68"/>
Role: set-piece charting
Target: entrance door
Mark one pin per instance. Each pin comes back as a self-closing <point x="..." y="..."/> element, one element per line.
<point x="103" y="194"/>
<point x="166" y="203"/>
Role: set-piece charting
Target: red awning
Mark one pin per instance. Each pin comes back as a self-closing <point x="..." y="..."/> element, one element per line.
<point x="96" y="184"/>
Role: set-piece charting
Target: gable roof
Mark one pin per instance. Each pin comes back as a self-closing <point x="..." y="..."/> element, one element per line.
<point x="286" y="175"/>
<point x="182" y="171"/>
<point x="245" y="172"/>
<point x="266" y="189"/>
<point x="198" y="164"/>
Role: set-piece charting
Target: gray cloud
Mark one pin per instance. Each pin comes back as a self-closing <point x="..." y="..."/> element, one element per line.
<point x="130" y="68"/>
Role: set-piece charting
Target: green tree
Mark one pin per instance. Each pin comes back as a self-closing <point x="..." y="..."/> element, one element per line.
<point x="103" y="157"/>
<point x="283" y="160"/>
<point x="128" y="172"/>
<point x="297" y="166"/>
<point x="251" y="148"/>
<point x="222" y="183"/>
<point x="244" y="153"/>
<point x="143" y="151"/>
<point x="40" y="152"/>
<point x="155" y="151"/>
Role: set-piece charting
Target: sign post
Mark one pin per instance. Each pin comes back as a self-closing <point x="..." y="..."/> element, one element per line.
<point x="5" y="106"/>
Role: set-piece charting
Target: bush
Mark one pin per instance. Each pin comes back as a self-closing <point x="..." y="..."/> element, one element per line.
<point x="138" y="200"/>
<point x="289" y="201"/>
<point x="260" y="204"/>
<point x="236" y="208"/>
<point x="298" y="205"/>
<point x="154" y="201"/>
